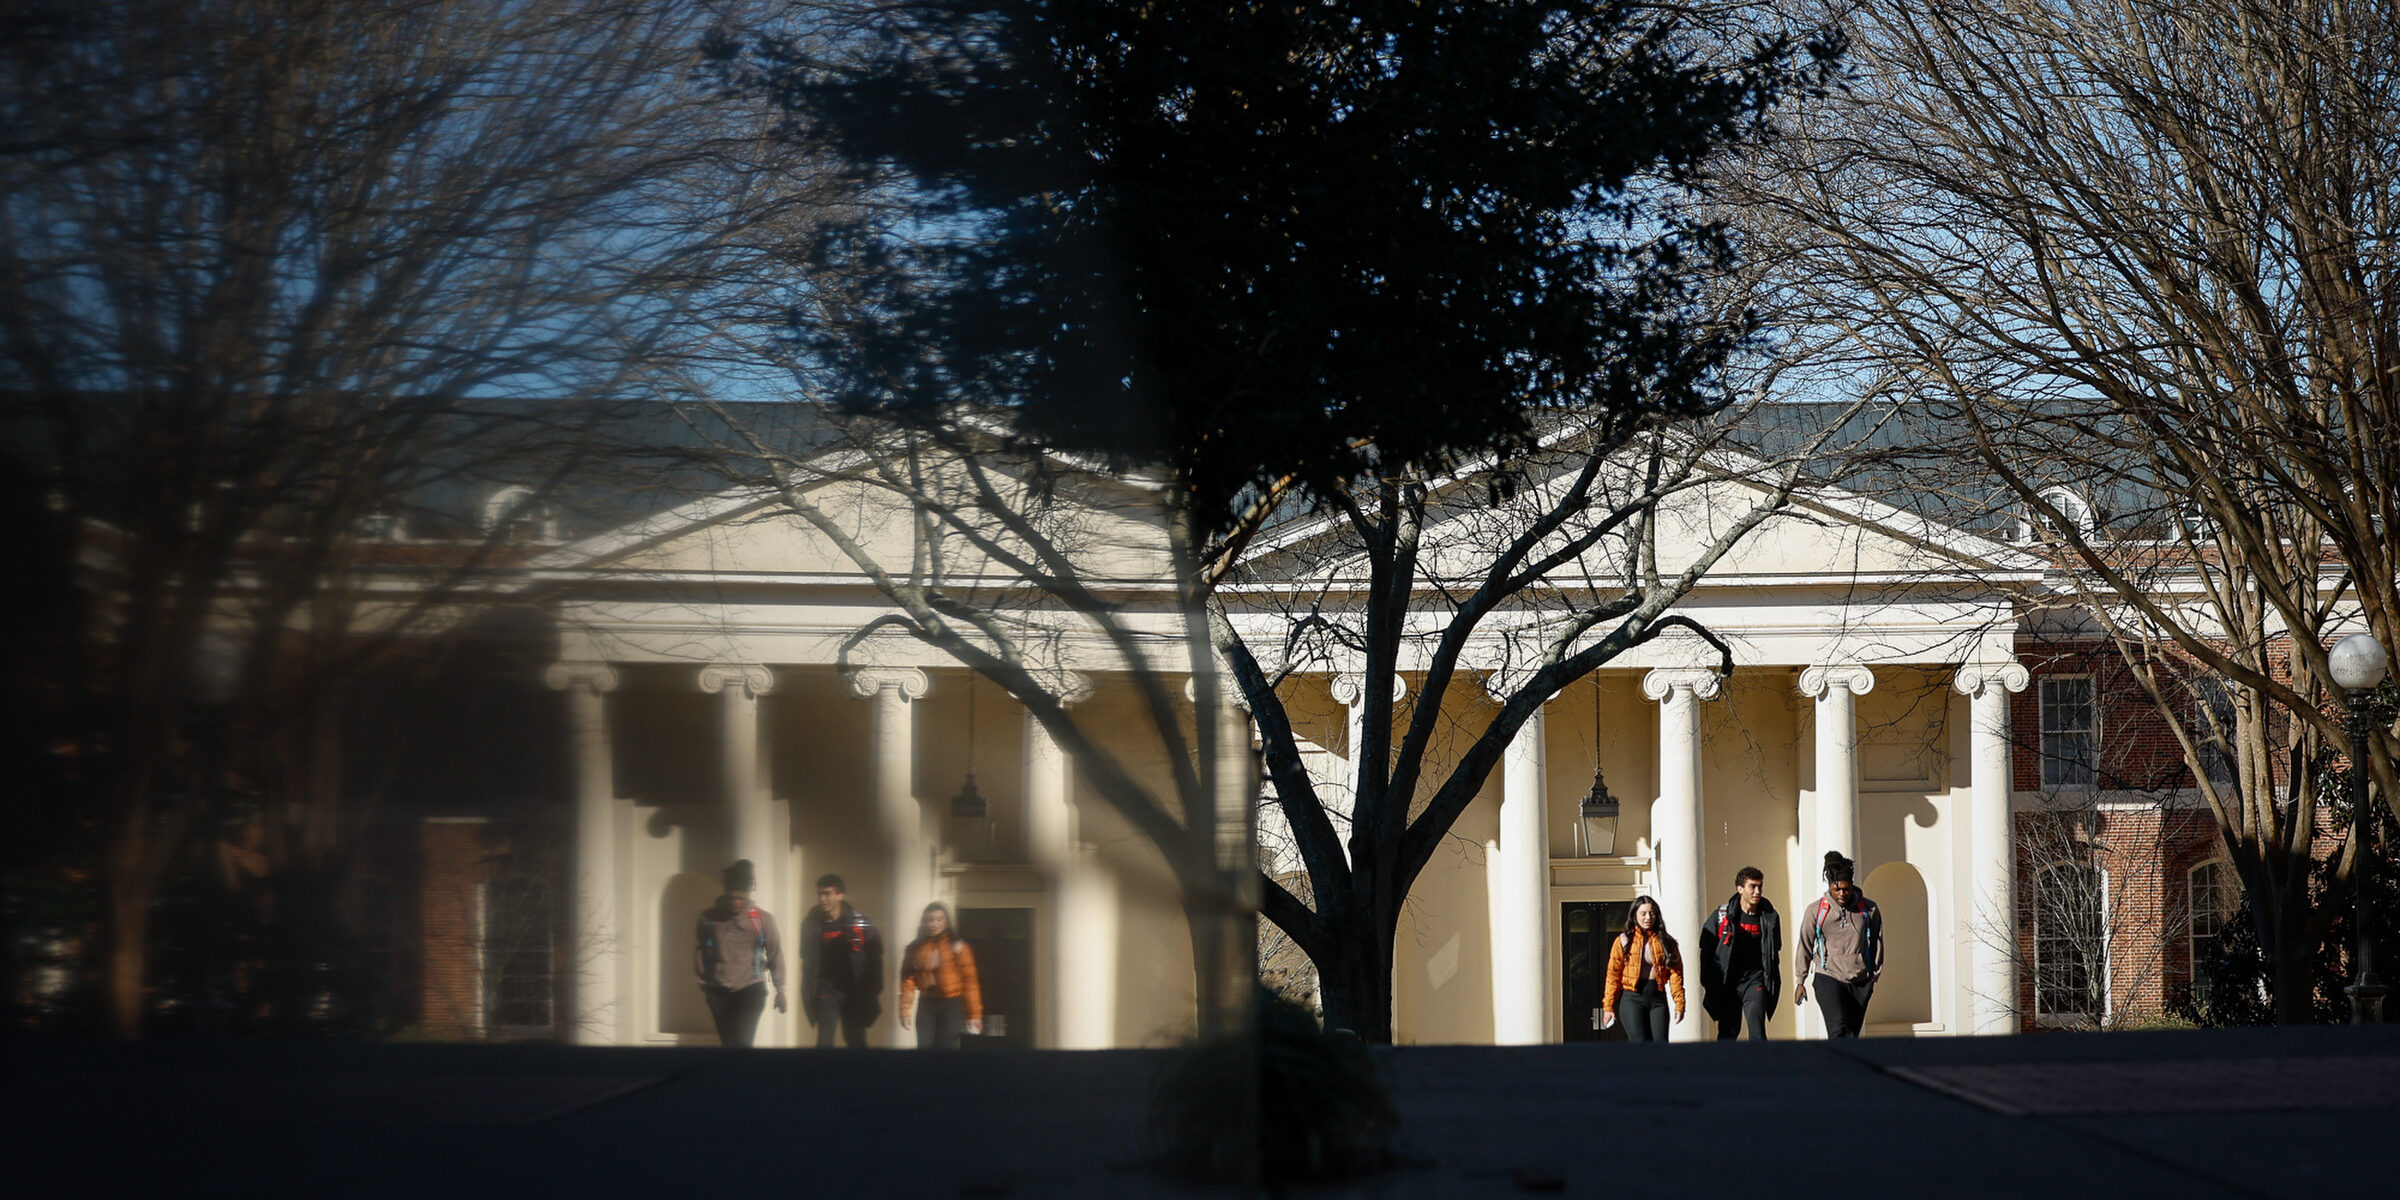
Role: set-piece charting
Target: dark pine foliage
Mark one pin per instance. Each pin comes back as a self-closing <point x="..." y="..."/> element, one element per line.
<point x="1254" y="242"/>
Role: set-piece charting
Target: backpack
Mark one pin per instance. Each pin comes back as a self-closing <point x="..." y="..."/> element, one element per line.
<point x="758" y="948"/>
<point x="1874" y="932"/>
<point x="758" y="945"/>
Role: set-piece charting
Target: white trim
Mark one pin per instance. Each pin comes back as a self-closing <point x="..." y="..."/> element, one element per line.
<point x="2062" y="799"/>
<point x="483" y="943"/>
<point x="2108" y="929"/>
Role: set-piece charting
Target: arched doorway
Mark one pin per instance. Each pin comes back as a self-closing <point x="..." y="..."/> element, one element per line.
<point x="681" y="1007"/>
<point x="1904" y="996"/>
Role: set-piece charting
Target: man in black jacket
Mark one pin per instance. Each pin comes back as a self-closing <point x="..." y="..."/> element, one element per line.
<point x="841" y="968"/>
<point x="1738" y="977"/>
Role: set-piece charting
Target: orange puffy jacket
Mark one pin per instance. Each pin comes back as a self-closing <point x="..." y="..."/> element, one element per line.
<point x="1625" y="968"/>
<point x="941" y="966"/>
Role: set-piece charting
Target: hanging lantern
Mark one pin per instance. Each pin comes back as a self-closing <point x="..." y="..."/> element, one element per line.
<point x="970" y="813"/>
<point x="1596" y="830"/>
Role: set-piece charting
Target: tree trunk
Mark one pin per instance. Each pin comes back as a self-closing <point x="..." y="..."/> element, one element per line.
<point x="1224" y="965"/>
<point x="134" y="863"/>
<point x="2285" y="935"/>
<point x="1356" y="981"/>
<point x="128" y="950"/>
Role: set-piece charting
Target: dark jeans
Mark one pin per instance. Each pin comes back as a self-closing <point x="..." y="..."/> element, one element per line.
<point x="1750" y="1008"/>
<point x="1643" y="1013"/>
<point x="736" y="1014"/>
<point x="834" y="1012"/>
<point x="940" y="1022"/>
<point x="1844" y="1005"/>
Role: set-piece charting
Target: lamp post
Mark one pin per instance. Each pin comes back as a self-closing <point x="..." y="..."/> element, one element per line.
<point x="2359" y="663"/>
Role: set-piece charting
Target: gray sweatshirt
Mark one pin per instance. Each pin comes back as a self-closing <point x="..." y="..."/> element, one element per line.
<point x="1842" y="943"/>
<point x="726" y="950"/>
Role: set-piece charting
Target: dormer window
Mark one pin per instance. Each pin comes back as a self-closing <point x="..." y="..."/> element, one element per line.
<point x="2068" y="505"/>
<point x="383" y="527"/>
<point x="511" y="515"/>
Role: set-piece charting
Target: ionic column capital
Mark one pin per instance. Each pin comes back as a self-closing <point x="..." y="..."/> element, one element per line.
<point x="1664" y="682"/>
<point x="1501" y="685"/>
<point x="2008" y="675"/>
<point x="910" y="682"/>
<point x="754" y="679"/>
<point x="1350" y="688"/>
<point x="598" y="678"/>
<point x="1818" y="682"/>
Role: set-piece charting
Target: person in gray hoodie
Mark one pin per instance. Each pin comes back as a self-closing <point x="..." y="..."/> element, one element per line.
<point x="736" y="952"/>
<point x="1840" y="939"/>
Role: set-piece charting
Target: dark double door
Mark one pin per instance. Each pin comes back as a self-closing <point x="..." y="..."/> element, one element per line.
<point x="1585" y="927"/>
<point x="1003" y="943"/>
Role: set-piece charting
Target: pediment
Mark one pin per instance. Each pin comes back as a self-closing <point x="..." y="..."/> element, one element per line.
<point x="757" y="534"/>
<point x="1820" y="535"/>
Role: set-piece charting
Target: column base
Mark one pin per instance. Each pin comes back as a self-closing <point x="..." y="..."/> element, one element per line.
<point x="2366" y="1001"/>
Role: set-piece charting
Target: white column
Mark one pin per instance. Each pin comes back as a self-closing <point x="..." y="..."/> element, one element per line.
<point x="596" y="992"/>
<point x="1517" y="883"/>
<point x="903" y="820"/>
<point x="750" y="816"/>
<point x="1349" y="691"/>
<point x="1991" y="917"/>
<point x="1836" y="690"/>
<point x="1079" y="963"/>
<point x="1675" y="820"/>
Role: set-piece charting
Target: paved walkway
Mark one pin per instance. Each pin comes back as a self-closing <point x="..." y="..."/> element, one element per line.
<point x="2301" y="1112"/>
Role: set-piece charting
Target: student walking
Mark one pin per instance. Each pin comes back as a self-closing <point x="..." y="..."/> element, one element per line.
<point x="1740" y="964"/>
<point x="841" y="967"/>
<point x="1841" y="942"/>
<point x="737" y="951"/>
<point x="939" y="967"/>
<point x="1645" y="969"/>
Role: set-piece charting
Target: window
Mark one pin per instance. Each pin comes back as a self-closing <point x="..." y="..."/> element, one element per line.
<point x="517" y="918"/>
<point x="2216" y="899"/>
<point x="2212" y="729"/>
<point x="383" y="527"/>
<point x="512" y="514"/>
<point x="2069" y="956"/>
<point x="2033" y="527"/>
<point x="2070" y="732"/>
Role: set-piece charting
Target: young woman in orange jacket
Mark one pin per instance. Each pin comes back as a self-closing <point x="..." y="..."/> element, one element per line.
<point x="1645" y="968"/>
<point x="939" y="967"/>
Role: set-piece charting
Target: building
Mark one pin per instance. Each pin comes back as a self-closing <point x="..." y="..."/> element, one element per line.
<point x="1903" y="692"/>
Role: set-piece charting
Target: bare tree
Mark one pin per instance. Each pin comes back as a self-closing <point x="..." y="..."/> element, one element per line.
<point x="272" y="272"/>
<point x="1516" y="577"/>
<point x="2147" y="253"/>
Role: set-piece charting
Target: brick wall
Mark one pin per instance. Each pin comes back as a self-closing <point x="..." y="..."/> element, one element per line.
<point x="454" y="852"/>
<point x="2140" y="824"/>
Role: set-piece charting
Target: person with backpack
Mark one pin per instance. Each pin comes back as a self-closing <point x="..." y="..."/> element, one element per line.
<point x="841" y="967"/>
<point x="939" y="967"/>
<point x="1645" y="967"/>
<point x="1740" y="975"/>
<point x="1841" y="942"/>
<point x="737" y="952"/>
